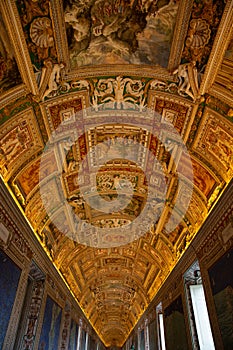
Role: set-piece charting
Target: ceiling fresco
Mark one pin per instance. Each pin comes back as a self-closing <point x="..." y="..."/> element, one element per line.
<point x="9" y="73"/>
<point x="110" y="32"/>
<point x="115" y="100"/>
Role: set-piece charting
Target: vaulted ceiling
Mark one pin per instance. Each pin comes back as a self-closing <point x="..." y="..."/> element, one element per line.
<point x="116" y="138"/>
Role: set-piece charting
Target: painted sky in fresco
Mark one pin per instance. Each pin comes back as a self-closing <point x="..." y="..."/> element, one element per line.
<point x="119" y="31"/>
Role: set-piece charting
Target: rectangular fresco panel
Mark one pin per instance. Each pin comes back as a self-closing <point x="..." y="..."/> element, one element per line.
<point x="135" y="340"/>
<point x="175" y="333"/>
<point x="51" y="326"/>
<point x="142" y="340"/>
<point x="153" y="335"/>
<point x="9" y="279"/>
<point x="119" y="31"/>
<point x="73" y="336"/>
<point x="221" y="279"/>
<point x="91" y="344"/>
<point x="9" y="73"/>
<point x="83" y="340"/>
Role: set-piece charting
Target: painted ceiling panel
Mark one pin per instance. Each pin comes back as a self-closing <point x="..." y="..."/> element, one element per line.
<point x="116" y="100"/>
<point x="100" y="32"/>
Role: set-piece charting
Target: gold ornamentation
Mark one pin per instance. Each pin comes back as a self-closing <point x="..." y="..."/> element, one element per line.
<point x="198" y="34"/>
<point x="41" y="32"/>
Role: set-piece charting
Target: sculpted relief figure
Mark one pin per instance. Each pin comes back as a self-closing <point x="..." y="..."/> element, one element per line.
<point x="188" y="81"/>
<point x="54" y="79"/>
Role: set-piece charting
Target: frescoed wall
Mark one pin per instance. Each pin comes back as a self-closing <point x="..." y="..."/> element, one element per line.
<point x="30" y="318"/>
<point x="135" y="340"/>
<point x="142" y="340"/>
<point x="73" y="336"/>
<point x="92" y="344"/>
<point x="9" y="279"/>
<point x="153" y="335"/>
<point x="83" y="340"/>
<point x="175" y="332"/>
<point x="221" y="279"/>
<point x="51" y="326"/>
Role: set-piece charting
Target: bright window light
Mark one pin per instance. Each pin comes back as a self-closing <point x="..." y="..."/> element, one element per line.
<point x="161" y="328"/>
<point x="201" y="317"/>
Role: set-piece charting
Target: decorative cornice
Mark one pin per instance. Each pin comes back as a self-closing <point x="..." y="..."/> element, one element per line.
<point x="222" y="94"/>
<point x="12" y="95"/>
<point x="205" y="240"/>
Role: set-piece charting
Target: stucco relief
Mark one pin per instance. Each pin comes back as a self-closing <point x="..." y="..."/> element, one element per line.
<point x="38" y="31"/>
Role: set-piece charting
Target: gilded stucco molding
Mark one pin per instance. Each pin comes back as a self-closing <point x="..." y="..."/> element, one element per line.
<point x="215" y="132"/>
<point x="185" y="86"/>
<point x="12" y="95"/>
<point x="57" y="16"/>
<point x="220" y="45"/>
<point x="12" y="240"/>
<point x="156" y="72"/>
<point x="209" y="232"/>
<point x="180" y="33"/>
<point x="59" y="100"/>
<point x="222" y="94"/>
<point x="154" y="94"/>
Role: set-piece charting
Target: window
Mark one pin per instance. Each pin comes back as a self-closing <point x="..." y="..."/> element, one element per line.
<point x="160" y="323"/>
<point x="161" y="332"/>
<point x="200" y="328"/>
<point x="201" y="317"/>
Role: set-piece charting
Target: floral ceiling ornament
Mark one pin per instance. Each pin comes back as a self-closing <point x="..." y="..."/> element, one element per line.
<point x="203" y="26"/>
<point x="198" y="34"/>
<point x="41" y="32"/>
